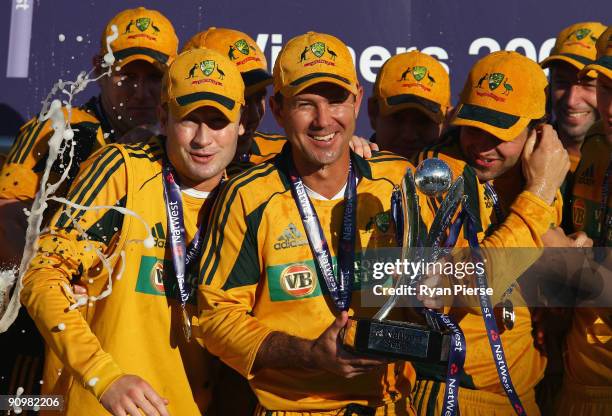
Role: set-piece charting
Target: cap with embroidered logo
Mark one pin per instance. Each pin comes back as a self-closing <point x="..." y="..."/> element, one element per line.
<point x="603" y="63"/>
<point x="241" y="49"/>
<point x="203" y="77"/>
<point x="145" y="35"/>
<point x="413" y="80"/>
<point x="504" y="91"/>
<point x="576" y="45"/>
<point x="313" y="58"/>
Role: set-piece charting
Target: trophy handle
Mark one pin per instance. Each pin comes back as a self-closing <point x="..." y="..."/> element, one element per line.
<point x="411" y="219"/>
<point x="443" y="217"/>
<point x="412" y="231"/>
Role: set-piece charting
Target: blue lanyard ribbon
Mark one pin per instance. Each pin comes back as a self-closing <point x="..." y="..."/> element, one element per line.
<point x="339" y="289"/>
<point x="456" y="360"/>
<point x="495" y="341"/>
<point x="183" y="254"/>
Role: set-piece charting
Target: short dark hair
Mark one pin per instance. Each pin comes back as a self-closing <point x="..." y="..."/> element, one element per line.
<point x="536" y="122"/>
<point x="278" y="98"/>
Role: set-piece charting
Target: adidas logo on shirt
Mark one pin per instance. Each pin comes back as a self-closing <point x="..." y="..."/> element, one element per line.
<point x="159" y="235"/>
<point x="291" y="237"/>
<point x="587" y="176"/>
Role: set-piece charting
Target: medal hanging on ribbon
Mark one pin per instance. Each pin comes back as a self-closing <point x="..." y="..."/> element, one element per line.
<point x="183" y="255"/>
<point x="507" y="306"/>
<point x="340" y="289"/>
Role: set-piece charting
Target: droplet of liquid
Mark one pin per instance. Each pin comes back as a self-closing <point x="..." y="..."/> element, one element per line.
<point x="61" y="37"/>
<point x="79" y="38"/>
<point x="149" y="242"/>
<point x="109" y="59"/>
<point x="68" y="134"/>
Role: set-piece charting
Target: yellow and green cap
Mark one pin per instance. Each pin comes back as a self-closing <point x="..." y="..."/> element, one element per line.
<point x="576" y="45"/>
<point x="504" y="91"/>
<point x="203" y="77"/>
<point x="413" y="80"/>
<point x="145" y="35"/>
<point x="241" y="49"/>
<point x="314" y="58"/>
<point x="603" y="63"/>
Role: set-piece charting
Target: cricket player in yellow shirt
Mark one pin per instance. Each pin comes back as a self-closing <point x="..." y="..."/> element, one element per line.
<point x="498" y="122"/>
<point x="265" y="304"/>
<point x="573" y="98"/>
<point x="132" y="355"/>
<point x="409" y="104"/>
<point x="128" y="100"/>
<point x="588" y="357"/>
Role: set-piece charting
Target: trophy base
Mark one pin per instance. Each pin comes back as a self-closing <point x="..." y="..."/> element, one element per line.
<point x="393" y="339"/>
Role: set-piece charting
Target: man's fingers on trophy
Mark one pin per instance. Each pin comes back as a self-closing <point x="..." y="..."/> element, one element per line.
<point x="360" y="361"/>
<point x="580" y="239"/>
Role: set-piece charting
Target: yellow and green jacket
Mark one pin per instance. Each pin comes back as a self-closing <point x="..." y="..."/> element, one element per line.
<point x="258" y="276"/>
<point x="137" y="328"/>
<point x="588" y="360"/>
<point x="23" y="168"/>
<point x="264" y="146"/>
<point x="527" y="219"/>
<point x="588" y="185"/>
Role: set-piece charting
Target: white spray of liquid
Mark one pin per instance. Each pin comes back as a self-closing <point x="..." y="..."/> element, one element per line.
<point x="61" y="140"/>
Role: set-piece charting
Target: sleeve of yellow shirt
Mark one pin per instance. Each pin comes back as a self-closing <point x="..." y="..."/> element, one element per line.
<point x="21" y="173"/>
<point x="227" y="327"/>
<point x="63" y="255"/>
<point x="17" y="177"/>
<point x="516" y="243"/>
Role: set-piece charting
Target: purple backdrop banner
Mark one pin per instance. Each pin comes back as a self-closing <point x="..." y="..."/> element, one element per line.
<point x="44" y="40"/>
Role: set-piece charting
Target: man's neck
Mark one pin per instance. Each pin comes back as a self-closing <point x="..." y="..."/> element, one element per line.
<point x="572" y="145"/>
<point x="326" y="180"/>
<point x="208" y="185"/>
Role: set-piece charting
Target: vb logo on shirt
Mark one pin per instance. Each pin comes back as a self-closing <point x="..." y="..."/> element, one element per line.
<point x="156" y="277"/>
<point x="298" y="280"/>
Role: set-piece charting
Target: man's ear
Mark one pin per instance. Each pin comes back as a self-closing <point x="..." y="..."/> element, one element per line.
<point x="373" y="110"/>
<point x="162" y="116"/>
<point x="358" y="99"/>
<point x="242" y="122"/>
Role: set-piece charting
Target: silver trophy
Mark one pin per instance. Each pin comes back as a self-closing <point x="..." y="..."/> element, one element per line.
<point x="403" y="340"/>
